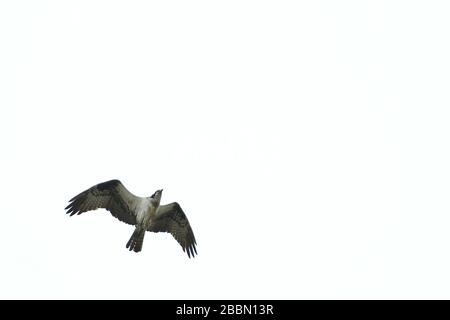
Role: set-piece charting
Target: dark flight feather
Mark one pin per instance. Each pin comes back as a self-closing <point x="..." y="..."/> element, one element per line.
<point x="110" y="195"/>
<point x="173" y="220"/>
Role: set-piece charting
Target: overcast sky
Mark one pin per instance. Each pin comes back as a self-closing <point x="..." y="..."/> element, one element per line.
<point x="307" y="142"/>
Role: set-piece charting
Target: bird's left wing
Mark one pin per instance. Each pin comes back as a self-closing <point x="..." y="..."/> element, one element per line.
<point x="171" y="218"/>
<point x="111" y="195"/>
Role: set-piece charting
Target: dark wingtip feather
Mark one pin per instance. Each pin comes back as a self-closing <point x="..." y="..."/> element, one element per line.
<point x="74" y="204"/>
<point x="71" y="211"/>
<point x="69" y="208"/>
<point x="191" y="251"/>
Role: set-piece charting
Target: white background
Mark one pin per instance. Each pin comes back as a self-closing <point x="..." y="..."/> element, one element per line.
<point x="307" y="141"/>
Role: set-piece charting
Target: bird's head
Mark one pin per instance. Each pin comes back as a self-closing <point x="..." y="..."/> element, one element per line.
<point x="157" y="195"/>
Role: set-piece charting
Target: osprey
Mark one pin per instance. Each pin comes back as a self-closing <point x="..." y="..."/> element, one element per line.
<point x="144" y="213"/>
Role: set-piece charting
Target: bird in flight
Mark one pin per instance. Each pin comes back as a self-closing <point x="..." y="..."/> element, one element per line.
<point x="145" y="213"/>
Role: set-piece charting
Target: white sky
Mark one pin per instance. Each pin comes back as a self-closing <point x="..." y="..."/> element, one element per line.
<point x="307" y="141"/>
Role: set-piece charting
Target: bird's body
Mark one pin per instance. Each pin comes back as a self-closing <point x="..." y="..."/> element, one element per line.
<point x="145" y="213"/>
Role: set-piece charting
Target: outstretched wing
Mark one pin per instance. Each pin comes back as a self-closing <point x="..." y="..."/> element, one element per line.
<point x="171" y="218"/>
<point x="111" y="195"/>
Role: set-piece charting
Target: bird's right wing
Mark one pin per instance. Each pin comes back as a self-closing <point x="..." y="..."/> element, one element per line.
<point x="171" y="218"/>
<point x="111" y="195"/>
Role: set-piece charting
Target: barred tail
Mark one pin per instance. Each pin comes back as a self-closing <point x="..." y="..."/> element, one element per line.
<point x="136" y="240"/>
